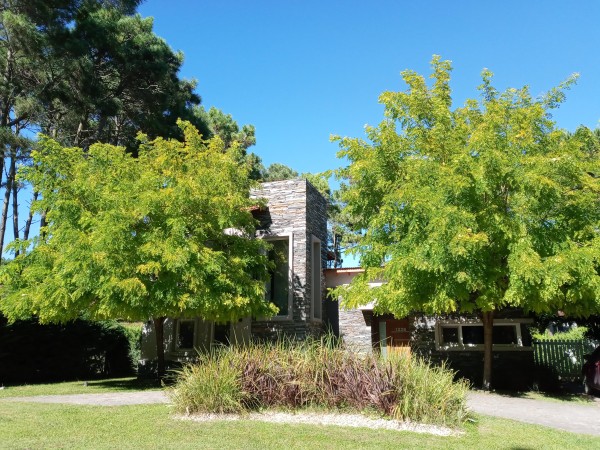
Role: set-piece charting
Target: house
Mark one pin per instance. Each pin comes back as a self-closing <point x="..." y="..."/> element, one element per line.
<point x="456" y="339"/>
<point x="295" y="222"/>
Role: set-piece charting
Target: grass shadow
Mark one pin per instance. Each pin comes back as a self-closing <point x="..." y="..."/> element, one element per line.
<point x="563" y="396"/>
<point x="125" y="384"/>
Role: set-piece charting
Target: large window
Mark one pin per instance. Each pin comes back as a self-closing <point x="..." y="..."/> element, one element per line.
<point x="317" y="301"/>
<point x="508" y="334"/>
<point x="278" y="289"/>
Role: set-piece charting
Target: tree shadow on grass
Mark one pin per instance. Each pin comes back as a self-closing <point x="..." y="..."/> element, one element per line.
<point x="561" y="396"/>
<point x="126" y="384"/>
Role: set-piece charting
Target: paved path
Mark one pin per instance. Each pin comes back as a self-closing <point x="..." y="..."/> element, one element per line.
<point x="575" y="417"/>
<point x="112" y="399"/>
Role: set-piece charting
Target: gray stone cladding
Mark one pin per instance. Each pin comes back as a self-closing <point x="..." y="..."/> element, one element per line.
<point x="296" y="209"/>
<point x="355" y="329"/>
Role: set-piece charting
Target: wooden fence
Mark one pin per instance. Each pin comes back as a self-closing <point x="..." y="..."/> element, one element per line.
<point x="563" y="358"/>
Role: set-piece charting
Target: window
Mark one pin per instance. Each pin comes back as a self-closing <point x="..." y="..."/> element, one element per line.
<point x="185" y="334"/>
<point x="278" y="289"/>
<point x="315" y="289"/>
<point x="507" y="335"/>
<point x="221" y="333"/>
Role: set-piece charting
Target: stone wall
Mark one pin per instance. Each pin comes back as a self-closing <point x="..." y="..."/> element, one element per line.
<point x="298" y="210"/>
<point x="294" y="209"/>
<point x="355" y="329"/>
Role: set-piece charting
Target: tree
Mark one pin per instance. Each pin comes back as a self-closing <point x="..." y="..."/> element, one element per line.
<point x="278" y="171"/>
<point x="476" y="208"/>
<point x="83" y="71"/>
<point x="118" y="78"/>
<point x="169" y="233"/>
<point x="223" y="125"/>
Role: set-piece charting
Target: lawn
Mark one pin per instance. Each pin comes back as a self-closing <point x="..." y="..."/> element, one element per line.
<point x="79" y="387"/>
<point x="29" y="425"/>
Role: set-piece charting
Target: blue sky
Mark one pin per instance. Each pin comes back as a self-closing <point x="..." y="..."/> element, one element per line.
<point x="303" y="70"/>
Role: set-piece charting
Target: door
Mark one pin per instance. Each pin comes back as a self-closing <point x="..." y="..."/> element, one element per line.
<point x="397" y="335"/>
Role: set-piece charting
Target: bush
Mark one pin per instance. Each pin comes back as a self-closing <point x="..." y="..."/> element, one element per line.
<point x="30" y="352"/>
<point x="133" y="333"/>
<point x="318" y="374"/>
<point x="573" y="334"/>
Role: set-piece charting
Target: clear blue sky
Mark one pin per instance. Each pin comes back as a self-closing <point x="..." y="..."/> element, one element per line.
<point x="303" y="70"/>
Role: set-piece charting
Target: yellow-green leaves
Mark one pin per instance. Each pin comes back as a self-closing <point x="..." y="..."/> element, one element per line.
<point x="140" y="237"/>
<point x="479" y="206"/>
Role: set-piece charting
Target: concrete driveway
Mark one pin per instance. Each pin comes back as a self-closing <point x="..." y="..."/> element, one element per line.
<point x="576" y="417"/>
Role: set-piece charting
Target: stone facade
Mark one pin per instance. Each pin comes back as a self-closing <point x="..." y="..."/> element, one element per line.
<point x="353" y="326"/>
<point x="297" y="210"/>
<point x="356" y="330"/>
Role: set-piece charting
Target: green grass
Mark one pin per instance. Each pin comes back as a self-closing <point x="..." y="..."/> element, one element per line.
<point x="78" y="387"/>
<point x="48" y="426"/>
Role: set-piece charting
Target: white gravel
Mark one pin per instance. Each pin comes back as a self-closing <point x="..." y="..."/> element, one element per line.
<point x="310" y="418"/>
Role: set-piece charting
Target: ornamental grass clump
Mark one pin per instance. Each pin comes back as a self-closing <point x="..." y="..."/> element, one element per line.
<point x="210" y="385"/>
<point x="427" y="393"/>
<point x="318" y="374"/>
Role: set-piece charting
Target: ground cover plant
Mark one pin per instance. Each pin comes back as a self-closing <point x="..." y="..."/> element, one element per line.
<point x="319" y="374"/>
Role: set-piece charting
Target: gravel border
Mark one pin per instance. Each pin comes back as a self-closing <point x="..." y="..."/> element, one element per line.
<point x="327" y="419"/>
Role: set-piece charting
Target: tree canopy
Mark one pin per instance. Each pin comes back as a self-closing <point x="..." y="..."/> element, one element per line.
<point x="87" y="71"/>
<point x="475" y="208"/>
<point x="168" y="233"/>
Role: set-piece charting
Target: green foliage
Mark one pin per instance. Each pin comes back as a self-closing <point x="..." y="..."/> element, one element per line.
<point x="164" y="234"/>
<point x="574" y="334"/>
<point x="133" y="332"/>
<point x="428" y="393"/>
<point x="318" y="374"/>
<point x="474" y="208"/>
<point x="278" y="171"/>
<point x="32" y="352"/>
<point x="211" y="385"/>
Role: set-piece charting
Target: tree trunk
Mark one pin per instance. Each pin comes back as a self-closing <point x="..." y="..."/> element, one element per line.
<point x="30" y="217"/>
<point x="78" y="135"/>
<point x="488" y="329"/>
<point x="160" y="347"/>
<point x="43" y="224"/>
<point x="7" y="192"/>
<point x="15" y="204"/>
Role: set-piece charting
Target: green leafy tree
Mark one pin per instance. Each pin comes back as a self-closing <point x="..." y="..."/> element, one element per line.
<point x="278" y="171"/>
<point x="169" y="233"/>
<point x="119" y="78"/>
<point x="223" y="125"/>
<point x="476" y="208"/>
<point x="82" y="71"/>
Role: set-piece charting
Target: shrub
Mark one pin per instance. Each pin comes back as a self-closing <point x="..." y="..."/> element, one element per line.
<point x="573" y="334"/>
<point x="30" y="352"/>
<point x="318" y="374"/>
<point x="133" y="333"/>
